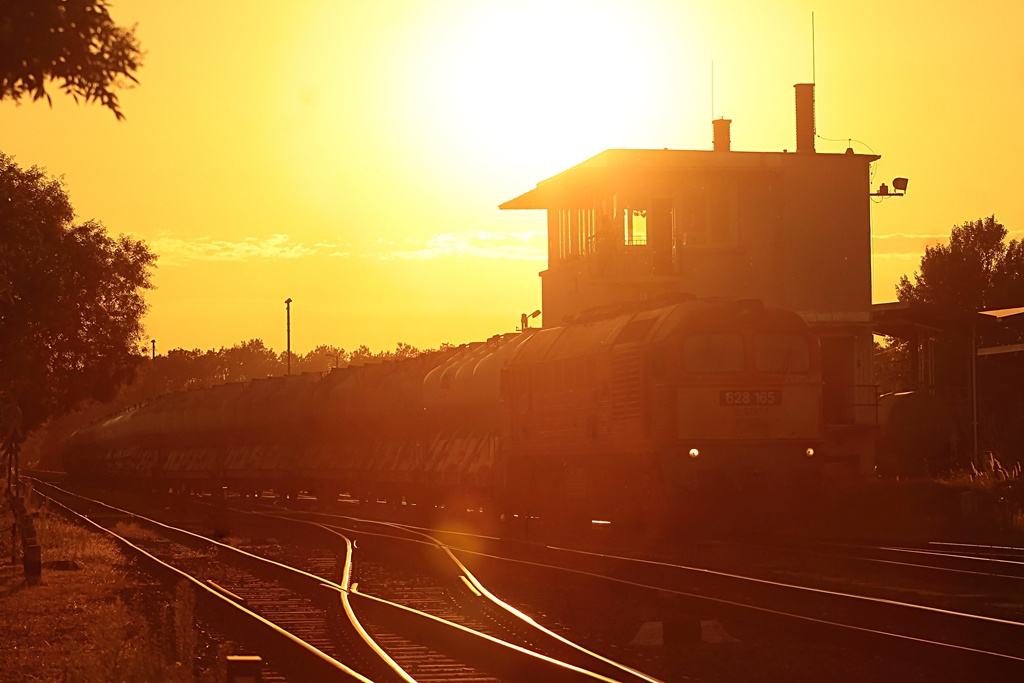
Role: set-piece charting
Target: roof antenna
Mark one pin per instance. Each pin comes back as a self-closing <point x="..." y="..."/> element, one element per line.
<point x="814" y="74"/>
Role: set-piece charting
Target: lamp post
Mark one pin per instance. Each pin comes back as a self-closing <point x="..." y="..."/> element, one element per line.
<point x="153" y="342"/>
<point x="288" y="332"/>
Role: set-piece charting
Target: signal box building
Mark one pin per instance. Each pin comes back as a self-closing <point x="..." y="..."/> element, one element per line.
<point x="790" y="228"/>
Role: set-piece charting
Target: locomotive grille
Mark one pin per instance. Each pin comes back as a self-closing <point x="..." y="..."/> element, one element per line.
<point x="626" y="389"/>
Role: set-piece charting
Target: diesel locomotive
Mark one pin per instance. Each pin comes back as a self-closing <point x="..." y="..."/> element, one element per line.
<point x="618" y="415"/>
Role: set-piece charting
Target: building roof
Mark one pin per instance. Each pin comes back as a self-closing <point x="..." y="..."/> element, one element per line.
<point x="1002" y="314"/>
<point x="615" y="163"/>
<point x="903" y="318"/>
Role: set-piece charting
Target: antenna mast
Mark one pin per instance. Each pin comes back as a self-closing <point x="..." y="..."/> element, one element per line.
<point x="712" y="90"/>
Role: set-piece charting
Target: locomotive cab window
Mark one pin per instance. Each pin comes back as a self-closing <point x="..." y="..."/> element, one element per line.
<point x="713" y="353"/>
<point x="781" y="353"/>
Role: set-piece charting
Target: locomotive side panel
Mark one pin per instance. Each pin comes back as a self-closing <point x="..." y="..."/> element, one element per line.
<point x="672" y="395"/>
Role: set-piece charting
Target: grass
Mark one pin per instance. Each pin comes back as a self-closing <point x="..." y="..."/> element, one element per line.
<point x="992" y="475"/>
<point x="994" y="493"/>
<point x="133" y="532"/>
<point x="969" y="506"/>
<point x="97" y="623"/>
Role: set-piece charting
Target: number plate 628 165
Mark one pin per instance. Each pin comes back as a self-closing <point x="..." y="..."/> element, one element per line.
<point x="750" y="397"/>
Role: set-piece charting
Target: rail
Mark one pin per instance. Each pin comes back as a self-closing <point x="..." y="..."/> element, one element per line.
<point x="292" y="656"/>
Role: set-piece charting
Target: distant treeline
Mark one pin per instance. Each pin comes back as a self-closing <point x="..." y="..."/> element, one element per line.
<point x="180" y="369"/>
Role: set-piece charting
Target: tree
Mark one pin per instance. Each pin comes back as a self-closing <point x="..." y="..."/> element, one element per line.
<point x="248" y="360"/>
<point x="362" y="354"/>
<point x="71" y="300"/>
<point x="403" y="351"/>
<point x="323" y="358"/>
<point x="971" y="273"/>
<point x="977" y="270"/>
<point x="74" y="42"/>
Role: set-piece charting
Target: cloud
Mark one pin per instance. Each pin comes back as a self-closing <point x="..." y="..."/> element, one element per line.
<point x="519" y="246"/>
<point x="174" y="251"/>
<point x="904" y="235"/>
<point x="898" y="256"/>
<point x="903" y="246"/>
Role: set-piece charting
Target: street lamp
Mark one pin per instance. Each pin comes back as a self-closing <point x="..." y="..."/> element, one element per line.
<point x="288" y="332"/>
<point x="153" y="342"/>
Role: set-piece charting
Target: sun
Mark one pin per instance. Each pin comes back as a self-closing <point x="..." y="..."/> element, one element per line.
<point x="544" y="82"/>
<point x="464" y="96"/>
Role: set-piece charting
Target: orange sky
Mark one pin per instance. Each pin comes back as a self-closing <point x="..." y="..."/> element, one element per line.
<point x="351" y="155"/>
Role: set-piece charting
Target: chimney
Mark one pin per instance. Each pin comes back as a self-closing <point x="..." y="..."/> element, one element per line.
<point x="721" y="137"/>
<point x="804" y="117"/>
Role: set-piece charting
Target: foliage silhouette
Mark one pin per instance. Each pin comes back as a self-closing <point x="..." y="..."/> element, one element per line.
<point x="74" y="42"/>
<point x="976" y="270"/>
<point x="71" y="300"/>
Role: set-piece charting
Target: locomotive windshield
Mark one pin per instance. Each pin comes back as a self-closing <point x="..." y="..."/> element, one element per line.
<point x="781" y="353"/>
<point x="773" y="353"/>
<point x="713" y="353"/>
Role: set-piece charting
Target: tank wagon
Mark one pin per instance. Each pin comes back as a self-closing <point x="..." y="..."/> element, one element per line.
<point x="614" y="415"/>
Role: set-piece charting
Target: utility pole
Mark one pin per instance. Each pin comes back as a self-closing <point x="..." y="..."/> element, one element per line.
<point x="288" y="332"/>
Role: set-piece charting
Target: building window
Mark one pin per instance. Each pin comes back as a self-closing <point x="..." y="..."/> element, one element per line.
<point x="576" y="228"/>
<point x="634" y="226"/>
<point x="708" y="215"/>
<point x="564" y="242"/>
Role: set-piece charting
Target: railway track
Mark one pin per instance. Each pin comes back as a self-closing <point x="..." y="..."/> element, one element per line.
<point x="333" y="620"/>
<point x="986" y="581"/>
<point x="939" y="612"/>
<point x="414" y="569"/>
<point x="272" y="608"/>
<point x="841" y="612"/>
<point x="951" y="641"/>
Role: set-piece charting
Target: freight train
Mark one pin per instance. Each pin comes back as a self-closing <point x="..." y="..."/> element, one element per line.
<point x="617" y="415"/>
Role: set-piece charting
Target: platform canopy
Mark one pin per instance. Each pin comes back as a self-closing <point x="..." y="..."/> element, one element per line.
<point x="1011" y="316"/>
<point x="908" y="319"/>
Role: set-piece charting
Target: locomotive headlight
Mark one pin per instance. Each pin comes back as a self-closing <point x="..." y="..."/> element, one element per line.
<point x="694" y="453"/>
<point x="809" y="452"/>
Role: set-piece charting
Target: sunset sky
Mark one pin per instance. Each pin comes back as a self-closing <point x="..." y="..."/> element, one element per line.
<point x="351" y="155"/>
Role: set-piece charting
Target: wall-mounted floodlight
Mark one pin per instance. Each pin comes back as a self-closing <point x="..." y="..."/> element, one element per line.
<point x="525" y="320"/>
<point x="898" y="184"/>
